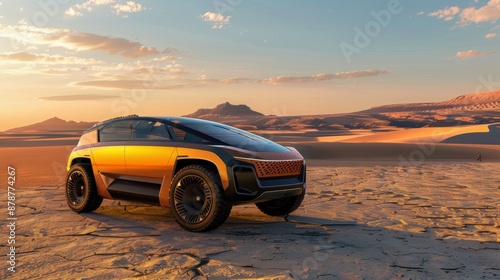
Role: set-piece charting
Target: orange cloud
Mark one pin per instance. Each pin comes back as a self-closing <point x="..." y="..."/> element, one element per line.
<point x="23" y="57"/>
<point x="116" y="46"/>
<point x="78" y="41"/>
<point x="147" y="79"/>
<point x="488" y="13"/>
<point x="78" y="97"/>
<point x="323" y="77"/>
<point x="471" y="54"/>
<point x="128" y="84"/>
<point x="447" y="13"/>
<point x="490" y="35"/>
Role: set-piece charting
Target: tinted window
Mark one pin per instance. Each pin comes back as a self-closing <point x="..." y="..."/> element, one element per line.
<point x="116" y="131"/>
<point x="146" y="130"/>
<point x="236" y="137"/>
<point x="181" y="135"/>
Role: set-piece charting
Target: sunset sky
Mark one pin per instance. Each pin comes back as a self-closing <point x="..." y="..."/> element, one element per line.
<point x="94" y="59"/>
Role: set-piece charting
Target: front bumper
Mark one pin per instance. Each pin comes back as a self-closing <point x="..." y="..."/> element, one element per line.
<point x="246" y="186"/>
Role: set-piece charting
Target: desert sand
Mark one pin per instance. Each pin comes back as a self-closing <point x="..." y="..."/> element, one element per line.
<point x="371" y="212"/>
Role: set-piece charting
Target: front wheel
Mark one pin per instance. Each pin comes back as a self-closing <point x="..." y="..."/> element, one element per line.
<point x="282" y="206"/>
<point x="197" y="199"/>
<point x="81" y="191"/>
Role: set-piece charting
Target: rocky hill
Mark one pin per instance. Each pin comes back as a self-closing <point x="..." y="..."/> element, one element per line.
<point x="52" y="125"/>
<point x="225" y="110"/>
<point x="477" y="108"/>
<point x="463" y="103"/>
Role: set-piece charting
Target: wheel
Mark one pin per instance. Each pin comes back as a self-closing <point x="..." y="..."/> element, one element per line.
<point x="197" y="200"/>
<point x="282" y="206"/>
<point x="81" y="191"/>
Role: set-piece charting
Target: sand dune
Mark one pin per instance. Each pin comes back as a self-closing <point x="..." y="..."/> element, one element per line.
<point x="470" y="102"/>
<point x="468" y="134"/>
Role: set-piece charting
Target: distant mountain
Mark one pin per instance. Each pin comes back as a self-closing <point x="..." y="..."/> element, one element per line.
<point x="477" y="108"/>
<point x="469" y="102"/>
<point x="53" y="125"/>
<point x="225" y="110"/>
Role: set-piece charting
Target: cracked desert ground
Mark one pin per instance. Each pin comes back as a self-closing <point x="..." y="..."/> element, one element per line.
<point x="361" y="219"/>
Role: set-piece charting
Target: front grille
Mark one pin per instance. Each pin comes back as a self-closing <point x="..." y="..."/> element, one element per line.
<point x="267" y="169"/>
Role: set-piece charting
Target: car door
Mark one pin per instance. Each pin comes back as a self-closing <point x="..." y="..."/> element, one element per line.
<point x="109" y="154"/>
<point x="148" y="153"/>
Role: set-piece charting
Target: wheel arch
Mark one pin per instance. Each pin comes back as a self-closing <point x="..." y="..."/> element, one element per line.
<point x="80" y="160"/>
<point x="183" y="162"/>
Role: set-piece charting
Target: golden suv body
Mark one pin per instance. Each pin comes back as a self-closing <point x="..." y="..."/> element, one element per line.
<point x="198" y="168"/>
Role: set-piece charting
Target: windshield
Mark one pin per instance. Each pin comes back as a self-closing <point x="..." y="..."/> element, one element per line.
<point x="236" y="137"/>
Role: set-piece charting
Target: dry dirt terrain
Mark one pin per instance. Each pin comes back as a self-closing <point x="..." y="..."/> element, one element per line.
<point x="405" y="204"/>
<point x="360" y="220"/>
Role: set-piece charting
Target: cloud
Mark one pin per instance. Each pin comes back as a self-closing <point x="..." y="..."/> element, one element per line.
<point x="323" y="77"/>
<point x="236" y="81"/>
<point x="61" y="70"/>
<point x="24" y="57"/>
<point x="155" y="80"/>
<point x="78" y="97"/>
<point x="116" y="46"/>
<point x="420" y="13"/>
<point x="165" y="58"/>
<point x="129" y="7"/>
<point x="471" y="54"/>
<point x="128" y="84"/>
<point x="78" y="9"/>
<point x="217" y="20"/>
<point x="77" y="41"/>
<point x="488" y="13"/>
<point x="447" y="13"/>
<point x="138" y="75"/>
<point x="114" y="5"/>
<point x="490" y="35"/>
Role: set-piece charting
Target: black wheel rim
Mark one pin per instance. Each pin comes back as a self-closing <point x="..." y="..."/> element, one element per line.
<point x="193" y="199"/>
<point x="76" y="188"/>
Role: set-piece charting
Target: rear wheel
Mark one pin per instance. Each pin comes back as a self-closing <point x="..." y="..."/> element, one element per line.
<point x="197" y="199"/>
<point x="81" y="191"/>
<point x="282" y="206"/>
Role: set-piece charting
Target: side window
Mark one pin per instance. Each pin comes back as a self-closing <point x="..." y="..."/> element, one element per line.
<point x="181" y="135"/>
<point x="116" y="131"/>
<point x="146" y="130"/>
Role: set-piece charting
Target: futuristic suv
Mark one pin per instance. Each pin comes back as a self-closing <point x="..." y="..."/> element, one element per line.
<point x="198" y="168"/>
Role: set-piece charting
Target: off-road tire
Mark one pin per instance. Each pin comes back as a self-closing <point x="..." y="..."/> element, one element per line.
<point x="81" y="191"/>
<point x="197" y="199"/>
<point x="282" y="206"/>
